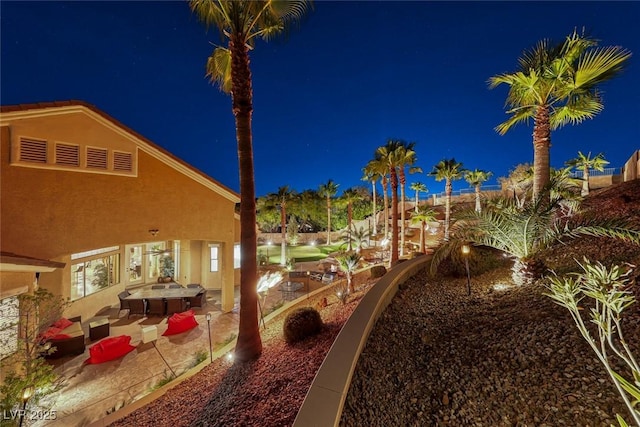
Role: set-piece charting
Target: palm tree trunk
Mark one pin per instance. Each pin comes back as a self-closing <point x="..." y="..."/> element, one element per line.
<point x="328" y="220"/>
<point x="415" y="208"/>
<point x="478" y="208"/>
<point x="349" y="222"/>
<point x="386" y="208"/>
<point x="585" y="183"/>
<point x="541" y="144"/>
<point x="447" y="208"/>
<point x="283" y="232"/>
<point x="423" y="249"/>
<point x="375" y="211"/>
<point x="394" y="216"/>
<point x="249" y="343"/>
<point x="402" y="213"/>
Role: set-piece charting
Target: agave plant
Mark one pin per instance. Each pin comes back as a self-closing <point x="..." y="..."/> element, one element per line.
<point x="524" y="231"/>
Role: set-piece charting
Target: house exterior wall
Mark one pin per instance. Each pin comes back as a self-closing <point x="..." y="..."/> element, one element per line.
<point x="51" y="213"/>
<point x="631" y="169"/>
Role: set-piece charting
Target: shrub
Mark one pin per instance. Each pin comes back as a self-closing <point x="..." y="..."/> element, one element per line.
<point x="301" y="323"/>
<point x="378" y="271"/>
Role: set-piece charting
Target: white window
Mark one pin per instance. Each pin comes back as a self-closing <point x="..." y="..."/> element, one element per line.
<point x="95" y="270"/>
<point x="214" y="254"/>
<point x="8" y="326"/>
<point x="236" y="255"/>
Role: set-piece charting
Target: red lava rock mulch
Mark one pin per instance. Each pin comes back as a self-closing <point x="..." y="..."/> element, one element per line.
<point x="266" y="392"/>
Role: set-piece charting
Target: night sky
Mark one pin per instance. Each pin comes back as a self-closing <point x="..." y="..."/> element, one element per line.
<point x="352" y="76"/>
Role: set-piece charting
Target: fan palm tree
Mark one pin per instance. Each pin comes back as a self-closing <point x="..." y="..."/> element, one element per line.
<point x="241" y="22"/>
<point x="448" y="170"/>
<point x="556" y="86"/>
<point x="406" y="156"/>
<point x="281" y="198"/>
<point x="584" y="163"/>
<point x="422" y="216"/>
<point x="348" y="263"/>
<point x="349" y="196"/>
<point x="523" y="232"/>
<point x="378" y="168"/>
<point x="475" y="178"/>
<point x="327" y="191"/>
<point x="388" y="155"/>
<point x="372" y="174"/>
<point x="418" y="187"/>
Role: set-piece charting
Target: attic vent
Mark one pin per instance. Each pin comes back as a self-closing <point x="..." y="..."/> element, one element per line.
<point x="67" y="155"/>
<point x="33" y="150"/>
<point x="122" y="162"/>
<point x="96" y="158"/>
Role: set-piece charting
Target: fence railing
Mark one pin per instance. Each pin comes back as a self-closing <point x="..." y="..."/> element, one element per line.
<point x="470" y="190"/>
<point x="604" y="172"/>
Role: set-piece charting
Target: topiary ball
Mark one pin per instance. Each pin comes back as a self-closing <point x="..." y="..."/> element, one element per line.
<point x="301" y="323"/>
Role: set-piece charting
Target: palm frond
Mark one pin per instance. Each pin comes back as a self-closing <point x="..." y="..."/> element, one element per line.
<point x="219" y="68"/>
<point x="599" y="65"/>
<point x="521" y="115"/>
<point x="576" y="110"/>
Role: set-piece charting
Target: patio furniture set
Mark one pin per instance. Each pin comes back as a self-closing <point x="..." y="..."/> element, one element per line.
<point x="162" y="300"/>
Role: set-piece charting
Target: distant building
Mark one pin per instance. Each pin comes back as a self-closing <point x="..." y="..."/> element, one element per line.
<point x="94" y="208"/>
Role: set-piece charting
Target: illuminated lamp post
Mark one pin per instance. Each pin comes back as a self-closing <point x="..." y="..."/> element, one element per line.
<point x="209" y="329"/>
<point x="26" y="395"/>
<point x="465" y="253"/>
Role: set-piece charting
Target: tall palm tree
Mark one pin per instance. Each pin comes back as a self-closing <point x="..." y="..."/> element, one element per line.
<point x="241" y="22"/>
<point x="448" y="170"/>
<point x="282" y="197"/>
<point x="349" y="196"/>
<point x="475" y="178"/>
<point x="418" y="187"/>
<point x="327" y="191"/>
<point x="371" y="174"/>
<point x="584" y="163"/>
<point x="555" y="86"/>
<point x="406" y="156"/>
<point x="388" y="155"/>
<point x="422" y="216"/>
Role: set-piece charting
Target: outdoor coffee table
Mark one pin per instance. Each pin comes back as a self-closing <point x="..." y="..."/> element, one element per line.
<point x="98" y="329"/>
<point x="289" y="290"/>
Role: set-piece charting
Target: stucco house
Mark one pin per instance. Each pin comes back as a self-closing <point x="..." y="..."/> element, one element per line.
<point x="94" y="208"/>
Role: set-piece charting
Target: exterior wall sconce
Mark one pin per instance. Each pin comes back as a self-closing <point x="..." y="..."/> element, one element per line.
<point x="154" y="232"/>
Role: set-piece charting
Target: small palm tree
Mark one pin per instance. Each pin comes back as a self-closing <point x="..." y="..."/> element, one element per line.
<point x="584" y="163"/>
<point x="356" y="237"/>
<point x="523" y="232"/>
<point x="328" y="190"/>
<point x="348" y="262"/>
<point x="556" y="86"/>
<point x="242" y="22"/>
<point x="281" y="199"/>
<point x="378" y="168"/>
<point x="422" y="216"/>
<point x="447" y="170"/>
<point x="418" y="187"/>
<point x="475" y="178"/>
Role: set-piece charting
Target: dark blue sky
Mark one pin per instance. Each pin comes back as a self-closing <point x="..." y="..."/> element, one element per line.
<point x="353" y="75"/>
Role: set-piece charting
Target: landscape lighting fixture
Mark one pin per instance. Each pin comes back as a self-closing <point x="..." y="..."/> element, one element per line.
<point x="466" y="250"/>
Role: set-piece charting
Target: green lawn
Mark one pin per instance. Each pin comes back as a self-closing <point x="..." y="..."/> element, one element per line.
<point x="300" y="253"/>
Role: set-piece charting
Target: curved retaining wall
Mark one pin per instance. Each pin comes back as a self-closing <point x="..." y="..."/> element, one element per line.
<point x="323" y="404"/>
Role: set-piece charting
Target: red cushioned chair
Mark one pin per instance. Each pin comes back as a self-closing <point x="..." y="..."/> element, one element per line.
<point x="181" y="322"/>
<point x="109" y="349"/>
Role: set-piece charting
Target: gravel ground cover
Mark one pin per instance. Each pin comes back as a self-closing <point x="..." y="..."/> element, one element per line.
<point x="496" y="358"/>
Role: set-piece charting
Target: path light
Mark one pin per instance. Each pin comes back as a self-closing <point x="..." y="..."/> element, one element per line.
<point x="209" y="329"/>
<point x="466" y="250"/>
<point x="26" y="395"/>
<point x="269" y="243"/>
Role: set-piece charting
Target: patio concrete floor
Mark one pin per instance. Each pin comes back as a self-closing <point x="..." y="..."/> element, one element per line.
<point x="90" y="392"/>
